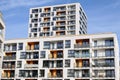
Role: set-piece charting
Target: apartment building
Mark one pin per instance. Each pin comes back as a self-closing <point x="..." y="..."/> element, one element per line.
<point x="2" y="28"/>
<point x="69" y="57"/>
<point x="65" y="19"/>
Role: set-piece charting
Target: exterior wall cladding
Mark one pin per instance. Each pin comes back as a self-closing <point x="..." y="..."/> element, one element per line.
<point x="60" y="49"/>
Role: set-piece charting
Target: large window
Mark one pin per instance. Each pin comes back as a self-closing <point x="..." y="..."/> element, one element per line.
<point x="109" y="52"/>
<point x="110" y="73"/>
<point x="109" y="62"/>
<point x="109" y="43"/>
<point x="67" y="43"/>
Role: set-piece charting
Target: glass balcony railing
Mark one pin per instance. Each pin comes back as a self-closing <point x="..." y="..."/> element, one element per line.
<point x="81" y="46"/>
<point x="9" y="57"/>
<point x="104" y="65"/>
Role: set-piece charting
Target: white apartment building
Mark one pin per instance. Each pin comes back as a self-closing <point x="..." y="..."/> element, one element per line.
<point x="69" y="57"/>
<point x="2" y="28"/>
<point x="65" y="19"/>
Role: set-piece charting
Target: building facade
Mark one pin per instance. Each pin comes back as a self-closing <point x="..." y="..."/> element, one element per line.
<point x="77" y="57"/>
<point x="65" y="19"/>
<point x="2" y="28"/>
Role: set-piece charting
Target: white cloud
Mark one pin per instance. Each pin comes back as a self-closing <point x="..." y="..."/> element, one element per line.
<point x="9" y="4"/>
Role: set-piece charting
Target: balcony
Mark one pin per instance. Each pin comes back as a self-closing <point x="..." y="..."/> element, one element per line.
<point x="8" y="65"/>
<point x="56" y="54"/>
<point x="62" y="8"/>
<point x="28" y="73"/>
<point x="47" y="10"/>
<point x="81" y="63"/>
<point x="8" y="74"/>
<point x="55" y="74"/>
<point x="10" y="47"/>
<point x="33" y="46"/>
<point x="82" y="43"/>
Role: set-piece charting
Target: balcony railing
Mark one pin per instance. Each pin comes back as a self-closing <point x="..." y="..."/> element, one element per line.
<point x="103" y="76"/>
<point x="111" y="45"/>
<point x="55" y="76"/>
<point x="9" y="57"/>
<point x="81" y="46"/>
<point x="8" y="67"/>
<point x="31" y="66"/>
<point x="104" y="65"/>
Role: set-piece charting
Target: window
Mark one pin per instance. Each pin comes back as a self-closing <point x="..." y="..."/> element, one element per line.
<point x="36" y="55"/>
<point x="59" y="45"/>
<point x="36" y="46"/>
<point x="54" y="18"/>
<point x="67" y="43"/>
<point x="85" y="53"/>
<point x="71" y="53"/>
<point x="60" y="54"/>
<point x="52" y="23"/>
<point x="19" y="64"/>
<point x="22" y="55"/>
<point x="20" y="46"/>
<point x="70" y="73"/>
<point x="95" y="53"/>
<point x="109" y="43"/>
<point x="46" y="45"/>
<point x="110" y="73"/>
<point x="67" y="63"/>
<point x="46" y="64"/>
<point x="42" y="54"/>
<point x="109" y="62"/>
<point x="42" y="73"/>
<point x="85" y="63"/>
<point x="109" y="52"/>
<point x="95" y="43"/>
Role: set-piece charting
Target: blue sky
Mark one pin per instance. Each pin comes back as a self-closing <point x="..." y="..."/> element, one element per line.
<point x="103" y="15"/>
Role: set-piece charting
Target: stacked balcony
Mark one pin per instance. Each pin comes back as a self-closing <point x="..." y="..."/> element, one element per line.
<point x="83" y="54"/>
<point x="53" y="64"/>
<point x="32" y="46"/>
<point x="82" y="63"/>
<point x="53" y="45"/>
<point x="56" y="54"/>
<point x="8" y="74"/>
<point x="103" y="74"/>
<point x="9" y="56"/>
<point x="103" y="43"/>
<point x="12" y="47"/>
<point x="28" y="74"/>
<point x="82" y="43"/>
<point x="79" y="74"/>
<point x="31" y="64"/>
<point x="8" y="65"/>
<point x="55" y="73"/>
